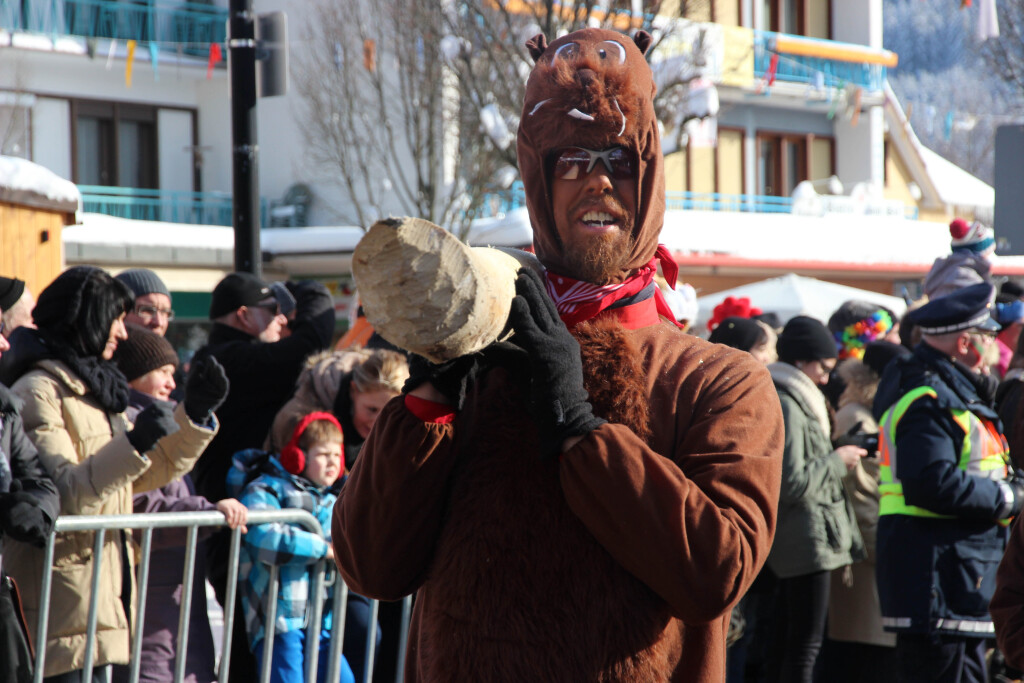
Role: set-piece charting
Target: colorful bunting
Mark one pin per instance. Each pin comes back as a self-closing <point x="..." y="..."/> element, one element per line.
<point x="154" y="51"/>
<point x="773" y="67"/>
<point x="128" y="64"/>
<point x="110" y="53"/>
<point x="370" y="54"/>
<point x="215" y="57"/>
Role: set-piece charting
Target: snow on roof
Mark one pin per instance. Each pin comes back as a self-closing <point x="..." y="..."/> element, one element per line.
<point x="310" y="240"/>
<point x="785" y="236"/>
<point x="98" y="228"/>
<point x="510" y="229"/>
<point x="956" y="186"/>
<point x="29" y="184"/>
<point x="862" y="240"/>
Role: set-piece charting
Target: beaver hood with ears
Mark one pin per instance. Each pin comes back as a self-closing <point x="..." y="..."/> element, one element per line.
<point x="591" y="89"/>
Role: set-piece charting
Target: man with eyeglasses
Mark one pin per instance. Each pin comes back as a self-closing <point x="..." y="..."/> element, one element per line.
<point x="948" y="492"/>
<point x="587" y="500"/>
<point x="152" y="307"/>
<point x="262" y="369"/>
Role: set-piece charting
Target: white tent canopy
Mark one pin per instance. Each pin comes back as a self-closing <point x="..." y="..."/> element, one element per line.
<point x="792" y="295"/>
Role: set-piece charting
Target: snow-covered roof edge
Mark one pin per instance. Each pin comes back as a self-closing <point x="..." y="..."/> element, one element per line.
<point x="902" y="134"/>
<point x="941" y="181"/>
<point x="25" y="183"/>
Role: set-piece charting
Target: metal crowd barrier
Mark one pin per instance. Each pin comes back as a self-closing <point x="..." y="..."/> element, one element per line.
<point x="191" y="521"/>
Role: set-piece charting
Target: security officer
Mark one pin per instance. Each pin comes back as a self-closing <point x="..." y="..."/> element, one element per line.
<point x="947" y="491"/>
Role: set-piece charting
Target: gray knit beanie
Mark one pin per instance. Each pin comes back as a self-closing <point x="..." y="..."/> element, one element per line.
<point x="143" y="281"/>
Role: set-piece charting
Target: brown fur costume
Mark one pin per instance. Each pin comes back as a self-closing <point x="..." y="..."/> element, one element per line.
<point x="613" y="374"/>
<point x="618" y="561"/>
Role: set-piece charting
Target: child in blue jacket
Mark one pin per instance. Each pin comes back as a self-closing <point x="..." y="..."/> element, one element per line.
<point x="306" y="475"/>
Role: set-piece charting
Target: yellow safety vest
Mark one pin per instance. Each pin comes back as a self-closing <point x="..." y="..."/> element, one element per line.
<point x="983" y="453"/>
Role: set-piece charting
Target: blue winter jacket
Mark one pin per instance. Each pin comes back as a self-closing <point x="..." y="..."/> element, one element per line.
<point x="259" y="481"/>
<point x="938" y="574"/>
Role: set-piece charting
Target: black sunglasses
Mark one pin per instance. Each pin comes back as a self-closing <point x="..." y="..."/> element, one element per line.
<point x="573" y="163"/>
<point x="271" y="306"/>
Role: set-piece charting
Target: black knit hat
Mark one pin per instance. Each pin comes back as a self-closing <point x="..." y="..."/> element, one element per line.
<point x="11" y="290"/>
<point x="237" y="290"/>
<point x="143" y="281"/>
<point x="144" y="350"/>
<point x="878" y="354"/>
<point x="79" y="307"/>
<point x="805" y="338"/>
<point x="739" y="333"/>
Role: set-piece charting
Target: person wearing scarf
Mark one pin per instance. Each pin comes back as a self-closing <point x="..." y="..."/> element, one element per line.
<point x="817" y="530"/>
<point x="74" y="412"/>
<point x="587" y="499"/>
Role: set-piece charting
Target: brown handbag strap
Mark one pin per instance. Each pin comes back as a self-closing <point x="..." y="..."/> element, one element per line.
<point x="12" y="586"/>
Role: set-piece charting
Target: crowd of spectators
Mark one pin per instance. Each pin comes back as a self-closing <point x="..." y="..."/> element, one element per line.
<point x="901" y="450"/>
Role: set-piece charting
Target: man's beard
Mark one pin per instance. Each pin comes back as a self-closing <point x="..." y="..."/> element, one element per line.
<point x="604" y="257"/>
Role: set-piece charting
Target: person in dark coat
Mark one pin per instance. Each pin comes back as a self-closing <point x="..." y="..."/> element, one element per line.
<point x="817" y="530"/>
<point x="29" y="505"/>
<point x="946" y="492"/>
<point x="262" y="369"/>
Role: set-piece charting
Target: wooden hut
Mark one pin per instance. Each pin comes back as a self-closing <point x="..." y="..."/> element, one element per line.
<point x="35" y="205"/>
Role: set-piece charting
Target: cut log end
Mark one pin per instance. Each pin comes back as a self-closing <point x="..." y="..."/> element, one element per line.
<point x="427" y="292"/>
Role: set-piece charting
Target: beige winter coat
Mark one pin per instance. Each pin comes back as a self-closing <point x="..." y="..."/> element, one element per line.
<point x="96" y="470"/>
<point x="855" y="614"/>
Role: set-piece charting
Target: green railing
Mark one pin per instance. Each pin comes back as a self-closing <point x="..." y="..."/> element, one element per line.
<point x="191" y="26"/>
<point x="704" y="201"/>
<point x="197" y="208"/>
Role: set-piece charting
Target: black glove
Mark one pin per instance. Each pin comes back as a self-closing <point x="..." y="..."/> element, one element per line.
<point x="205" y="389"/>
<point x="151" y="425"/>
<point x="557" y="394"/>
<point x="23" y="519"/>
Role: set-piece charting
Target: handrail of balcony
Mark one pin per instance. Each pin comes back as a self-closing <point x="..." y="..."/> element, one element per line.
<point x="196" y="208"/>
<point x="189" y="25"/>
<point x="717" y="201"/>
<point x="815" y="71"/>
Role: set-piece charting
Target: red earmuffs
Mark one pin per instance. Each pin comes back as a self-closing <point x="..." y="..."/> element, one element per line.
<point x="293" y="458"/>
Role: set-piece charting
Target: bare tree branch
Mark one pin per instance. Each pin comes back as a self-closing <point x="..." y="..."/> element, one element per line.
<point x="425" y="124"/>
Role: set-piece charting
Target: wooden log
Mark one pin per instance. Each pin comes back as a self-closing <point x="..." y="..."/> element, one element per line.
<point x="427" y="292"/>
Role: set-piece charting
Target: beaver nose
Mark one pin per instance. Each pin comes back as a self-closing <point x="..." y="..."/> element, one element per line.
<point x="586" y="76"/>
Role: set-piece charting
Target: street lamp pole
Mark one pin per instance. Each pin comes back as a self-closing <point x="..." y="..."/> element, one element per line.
<point x="244" y="150"/>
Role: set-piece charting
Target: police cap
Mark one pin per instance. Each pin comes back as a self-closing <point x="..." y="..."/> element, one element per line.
<point x="967" y="308"/>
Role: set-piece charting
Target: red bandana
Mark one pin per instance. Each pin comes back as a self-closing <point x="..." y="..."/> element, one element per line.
<point x="577" y="300"/>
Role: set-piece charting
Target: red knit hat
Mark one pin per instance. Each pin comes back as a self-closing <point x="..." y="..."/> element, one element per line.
<point x="293" y="458"/>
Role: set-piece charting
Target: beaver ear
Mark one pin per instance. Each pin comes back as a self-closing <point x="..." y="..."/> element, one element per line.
<point x="537" y="45"/>
<point x="642" y="40"/>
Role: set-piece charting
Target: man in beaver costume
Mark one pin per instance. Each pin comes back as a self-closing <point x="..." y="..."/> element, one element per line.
<point x="588" y="500"/>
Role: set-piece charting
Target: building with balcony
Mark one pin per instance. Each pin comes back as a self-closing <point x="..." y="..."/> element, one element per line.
<point x="789" y="155"/>
<point x="809" y="164"/>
